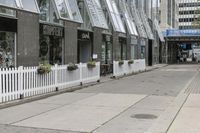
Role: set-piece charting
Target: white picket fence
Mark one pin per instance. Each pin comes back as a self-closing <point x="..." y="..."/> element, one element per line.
<point x="126" y="68"/>
<point x="26" y="82"/>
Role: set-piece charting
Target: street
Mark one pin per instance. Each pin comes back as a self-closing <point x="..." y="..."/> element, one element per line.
<point x="127" y="105"/>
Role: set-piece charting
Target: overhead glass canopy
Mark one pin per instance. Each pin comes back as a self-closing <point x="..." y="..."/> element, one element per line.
<point x="27" y="5"/>
<point x="138" y="21"/>
<point x="159" y="30"/>
<point x="115" y="16"/>
<point x="146" y="25"/>
<point x="68" y="10"/>
<point x="96" y="14"/>
<point x="128" y="18"/>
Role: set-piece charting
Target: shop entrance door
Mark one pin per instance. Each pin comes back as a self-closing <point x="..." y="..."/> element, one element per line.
<point x="85" y="51"/>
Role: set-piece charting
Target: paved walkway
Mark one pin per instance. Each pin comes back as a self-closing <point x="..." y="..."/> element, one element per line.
<point x="128" y="105"/>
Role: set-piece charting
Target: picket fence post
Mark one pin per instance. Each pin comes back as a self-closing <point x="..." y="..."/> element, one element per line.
<point x="1" y="87"/>
<point x="56" y="77"/>
<point x="20" y="82"/>
<point x="81" y="74"/>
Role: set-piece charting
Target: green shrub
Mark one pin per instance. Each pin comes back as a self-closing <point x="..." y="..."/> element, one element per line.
<point x="91" y="64"/>
<point x="130" y="62"/>
<point x="72" y="67"/>
<point x="121" y="62"/>
<point x="44" y="68"/>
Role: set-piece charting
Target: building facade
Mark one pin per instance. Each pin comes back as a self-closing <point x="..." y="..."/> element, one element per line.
<point x="187" y="13"/>
<point x="168" y="14"/>
<point x="64" y="31"/>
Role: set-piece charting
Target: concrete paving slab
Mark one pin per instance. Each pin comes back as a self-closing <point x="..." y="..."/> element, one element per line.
<point x="16" y="129"/>
<point x="73" y="118"/>
<point x="111" y="100"/>
<point x="187" y="121"/>
<point x="17" y="113"/>
<point x="83" y="116"/>
<point x="193" y="101"/>
<point x="155" y="102"/>
<point x="127" y="122"/>
<point x="66" y="98"/>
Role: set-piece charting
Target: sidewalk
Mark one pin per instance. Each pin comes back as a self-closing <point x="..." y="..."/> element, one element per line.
<point x="183" y="115"/>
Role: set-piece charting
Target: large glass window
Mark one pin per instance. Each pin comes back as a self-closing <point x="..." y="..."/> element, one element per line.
<point x="128" y="18"/>
<point x="68" y="10"/>
<point x="47" y="11"/>
<point x="74" y="11"/>
<point x="146" y="25"/>
<point x="115" y="16"/>
<point x="7" y="49"/>
<point x="96" y="13"/>
<point x="28" y="5"/>
<point x="86" y="20"/>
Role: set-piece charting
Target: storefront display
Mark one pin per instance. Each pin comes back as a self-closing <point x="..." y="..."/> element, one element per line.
<point x="51" y="44"/>
<point x="7" y="49"/>
<point x="123" y="48"/>
<point x="106" y="53"/>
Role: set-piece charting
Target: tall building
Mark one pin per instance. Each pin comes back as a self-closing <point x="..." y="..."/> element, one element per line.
<point x="187" y="13"/>
<point x="168" y="14"/>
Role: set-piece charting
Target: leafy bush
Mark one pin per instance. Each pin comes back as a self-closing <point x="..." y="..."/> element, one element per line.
<point x="91" y="64"/>
<point x="44" y="68"/>
<point x="121" y="62"/>
<point x="130" y="62"/>
<point x="72" y="67"/>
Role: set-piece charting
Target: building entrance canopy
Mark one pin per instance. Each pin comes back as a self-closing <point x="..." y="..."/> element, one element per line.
<point x="128" y="18"/>
<point x="27" y="5"/>
<point x="146" y="25"/>
<point x="159" y="31"/>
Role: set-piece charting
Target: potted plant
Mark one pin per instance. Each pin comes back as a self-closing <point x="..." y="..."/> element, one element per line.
<point x="91" y="64"/>
<point x="72" y="67"/>
<point x="121" y="62"/>
<point x="130" y="62"/>
<point x="44" y="68"/>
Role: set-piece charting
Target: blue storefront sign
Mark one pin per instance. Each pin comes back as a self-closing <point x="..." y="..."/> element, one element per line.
<point x="188" y="32"/>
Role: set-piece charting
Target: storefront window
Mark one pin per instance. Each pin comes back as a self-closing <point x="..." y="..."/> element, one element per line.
<point x="132" y="51"/>
<point x="51" y="44"/>
<point x="106" y="50"/>
<point x="7" y="49"/>
<point x="47" y="12"/>
<point x="123" y="48"/>
<point x="142" y="52"/>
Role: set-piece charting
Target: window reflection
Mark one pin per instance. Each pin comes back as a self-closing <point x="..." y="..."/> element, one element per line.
<point x="47" y="11"/>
